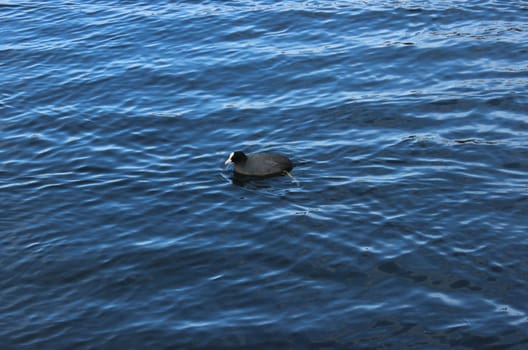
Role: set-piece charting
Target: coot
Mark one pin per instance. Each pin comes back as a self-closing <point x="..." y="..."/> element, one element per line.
<point x="259" y="164"/>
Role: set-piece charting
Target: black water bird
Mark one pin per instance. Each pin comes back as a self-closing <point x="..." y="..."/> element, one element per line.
<point x="259" y="164"/>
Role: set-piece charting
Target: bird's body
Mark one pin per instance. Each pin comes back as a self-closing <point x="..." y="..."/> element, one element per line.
<point x="259" y="164"/>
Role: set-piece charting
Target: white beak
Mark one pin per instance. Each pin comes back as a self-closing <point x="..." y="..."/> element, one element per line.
<point x="229" y="159"/>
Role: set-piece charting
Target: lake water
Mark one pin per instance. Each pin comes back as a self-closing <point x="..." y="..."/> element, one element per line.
<point x="404" y="226"/>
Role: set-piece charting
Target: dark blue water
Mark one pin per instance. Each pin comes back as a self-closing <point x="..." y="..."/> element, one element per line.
<point x="405" y="225"/>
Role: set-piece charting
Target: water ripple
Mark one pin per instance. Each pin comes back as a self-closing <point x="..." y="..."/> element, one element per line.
<point x="404" y="222"/>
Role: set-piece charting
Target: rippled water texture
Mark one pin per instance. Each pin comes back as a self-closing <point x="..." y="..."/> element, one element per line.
<point x="404" y="225"/>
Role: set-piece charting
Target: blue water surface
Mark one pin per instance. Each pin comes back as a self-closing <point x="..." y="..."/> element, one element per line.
<point x="404" y="224"/>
